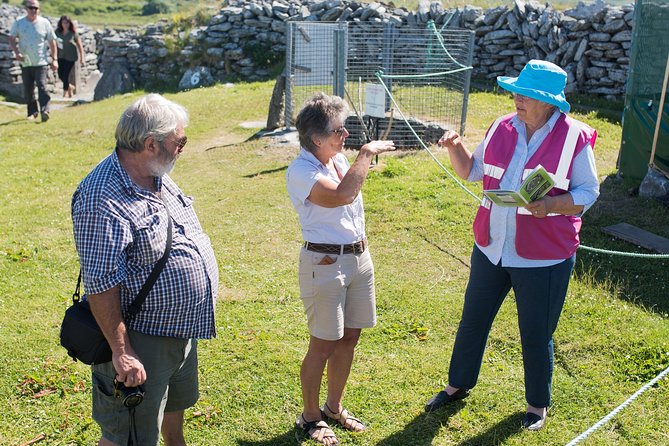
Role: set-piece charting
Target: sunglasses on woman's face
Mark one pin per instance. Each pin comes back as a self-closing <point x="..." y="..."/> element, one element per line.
<point x="340" y="131"/>
<point x="32" y="8"/>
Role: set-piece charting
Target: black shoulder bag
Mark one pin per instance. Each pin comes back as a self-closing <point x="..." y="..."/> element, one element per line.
<point x="80" y="334"/>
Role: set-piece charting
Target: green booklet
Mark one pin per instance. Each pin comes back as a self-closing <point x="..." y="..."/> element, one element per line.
<point x="536" y="185"/>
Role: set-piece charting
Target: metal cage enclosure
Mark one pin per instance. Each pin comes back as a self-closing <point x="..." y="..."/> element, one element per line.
<point x="426" y="70"/>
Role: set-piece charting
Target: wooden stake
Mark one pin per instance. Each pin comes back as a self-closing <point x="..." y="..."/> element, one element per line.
<point x="659" y="115"/>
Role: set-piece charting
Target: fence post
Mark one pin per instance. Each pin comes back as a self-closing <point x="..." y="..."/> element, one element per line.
<point x="288" y="77"/>
<point x="340" y="62"/>
<point x="389" y="31"/>
<point x="468" y="77"/>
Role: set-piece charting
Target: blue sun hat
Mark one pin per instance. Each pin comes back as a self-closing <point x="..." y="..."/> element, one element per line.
<point x="540" y="80"/>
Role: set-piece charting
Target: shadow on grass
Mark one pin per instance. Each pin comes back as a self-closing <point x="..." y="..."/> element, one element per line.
<point x="289" y="438"/>
<point x="445" y="251"/>
<point x="422" y="429"/>
<point x="266" y="172"/>
<point x="641" y="281"/>
<point x="498" y="433"/>
<point x="13" y="122"/>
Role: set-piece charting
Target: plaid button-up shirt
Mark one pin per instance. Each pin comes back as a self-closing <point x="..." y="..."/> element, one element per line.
<point x="120" y="231"/>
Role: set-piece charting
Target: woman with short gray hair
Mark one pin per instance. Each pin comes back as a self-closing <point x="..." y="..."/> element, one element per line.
<point x="336" y="273"/>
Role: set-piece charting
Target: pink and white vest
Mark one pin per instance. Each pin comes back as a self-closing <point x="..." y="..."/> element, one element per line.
<point x="555" y="236"/>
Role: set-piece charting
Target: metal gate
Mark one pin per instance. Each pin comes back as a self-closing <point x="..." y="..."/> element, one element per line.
<point x="426" y="70"/>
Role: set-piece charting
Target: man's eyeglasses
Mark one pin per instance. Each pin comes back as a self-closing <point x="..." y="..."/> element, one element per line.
<point x="33" y="8"/>
<point x="181" y="143"/>
<point x="340" y="131"/>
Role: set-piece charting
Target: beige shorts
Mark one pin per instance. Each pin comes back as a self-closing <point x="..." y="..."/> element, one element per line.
<point x="337" y="295"/>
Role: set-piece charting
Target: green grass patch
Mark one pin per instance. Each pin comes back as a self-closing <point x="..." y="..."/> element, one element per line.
<point x="123" y="13"/>
<point x="611" y="338"/>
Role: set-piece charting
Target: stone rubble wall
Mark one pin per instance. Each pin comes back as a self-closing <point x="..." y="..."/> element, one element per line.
<point x="591" y="42"/>
<point x="10" y="70"/>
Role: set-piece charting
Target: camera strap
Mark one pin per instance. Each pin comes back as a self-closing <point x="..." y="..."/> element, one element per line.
<point x="136" y="305"/>
<point x="132" y="440"/>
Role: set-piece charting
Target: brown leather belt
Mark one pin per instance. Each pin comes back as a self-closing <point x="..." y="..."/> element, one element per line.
<point x="324" y="248"/>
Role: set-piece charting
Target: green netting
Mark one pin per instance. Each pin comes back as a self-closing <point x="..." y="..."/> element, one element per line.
<point x="650" y="46"/>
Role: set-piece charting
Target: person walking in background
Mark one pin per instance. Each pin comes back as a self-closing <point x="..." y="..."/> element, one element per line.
<point x="34" y="35"/>
<point x="336" y="273"/>
<point x="531" y="249"/>
<point x="70" y="52"/>
<point x="122" y="215"/>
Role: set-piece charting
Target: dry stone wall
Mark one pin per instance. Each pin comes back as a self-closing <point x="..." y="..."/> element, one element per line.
<point x="591" y="42"/>
<point x="10" y="71"/>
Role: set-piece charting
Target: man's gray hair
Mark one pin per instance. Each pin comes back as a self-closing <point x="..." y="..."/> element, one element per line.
<point x="317" y="115"/>
<point x="151" y="115"/>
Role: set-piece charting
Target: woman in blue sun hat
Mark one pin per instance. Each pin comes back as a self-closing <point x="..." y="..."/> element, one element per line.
<point x="530" y="249"/>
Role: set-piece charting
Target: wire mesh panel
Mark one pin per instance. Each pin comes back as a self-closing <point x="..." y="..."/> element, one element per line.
<point x="426" y="72"/>
<point x="314" y="54"/>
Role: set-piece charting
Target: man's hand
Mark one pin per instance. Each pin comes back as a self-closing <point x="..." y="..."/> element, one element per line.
<point x="54" y="65"/>
<point x="19" y="57"/>
<point x="129" y="369"/>
<point x="106" y="307"/>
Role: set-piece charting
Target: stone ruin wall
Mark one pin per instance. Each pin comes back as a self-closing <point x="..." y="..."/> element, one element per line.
<point x="591" y="42"/>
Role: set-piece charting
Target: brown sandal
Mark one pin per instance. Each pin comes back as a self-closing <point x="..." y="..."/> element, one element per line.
<point x="316" y="430"/>
<point x="344" y="419"/>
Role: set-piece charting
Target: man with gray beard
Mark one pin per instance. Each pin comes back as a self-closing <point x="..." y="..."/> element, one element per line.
<point x="123" y="212"/>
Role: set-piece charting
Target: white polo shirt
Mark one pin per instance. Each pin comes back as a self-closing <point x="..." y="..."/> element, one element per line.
<point x="340" y="225"/>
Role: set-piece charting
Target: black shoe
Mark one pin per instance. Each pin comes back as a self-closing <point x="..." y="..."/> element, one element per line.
<point x="442" y="398"/>
<point x="533" y="422"/>
<point x="45" y="116"/>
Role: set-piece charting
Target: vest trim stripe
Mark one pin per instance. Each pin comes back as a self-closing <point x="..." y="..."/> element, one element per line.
<point x="493" y="129"/>
<point x="568" y="149"/>
<point x="523" y="211"/>
<point x="493" y="171"/>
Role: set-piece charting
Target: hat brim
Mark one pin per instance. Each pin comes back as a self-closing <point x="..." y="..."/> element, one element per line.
<point x="509" y="83"/>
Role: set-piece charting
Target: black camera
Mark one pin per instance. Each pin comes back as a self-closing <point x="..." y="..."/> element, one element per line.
<point x="130" y="396"/>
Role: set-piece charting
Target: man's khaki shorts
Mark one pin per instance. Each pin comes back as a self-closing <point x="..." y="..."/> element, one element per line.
<point x="171" y="385"/>
<point x="337" y="295"/>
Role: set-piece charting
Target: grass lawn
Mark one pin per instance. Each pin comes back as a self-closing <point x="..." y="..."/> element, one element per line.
<point x="613" y="336"/>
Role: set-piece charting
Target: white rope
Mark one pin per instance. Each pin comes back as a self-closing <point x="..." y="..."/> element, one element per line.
<point x="615" y="411"/>
<point x="625" y="254"/>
